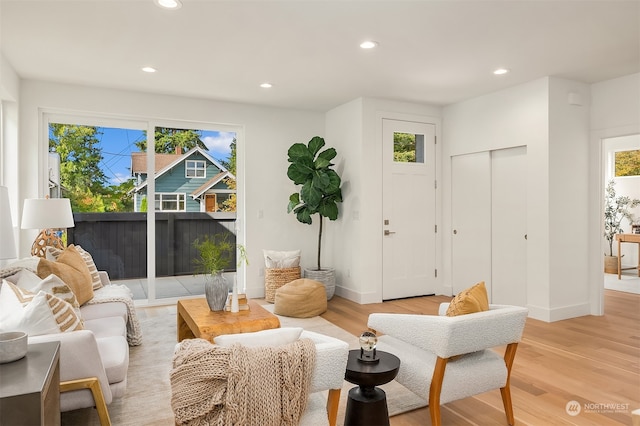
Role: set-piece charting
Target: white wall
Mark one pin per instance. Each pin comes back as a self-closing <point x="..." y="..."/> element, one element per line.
<point x="357" y="240"/>
<point x="268" y="133"/>
<point x="537" y="115"/>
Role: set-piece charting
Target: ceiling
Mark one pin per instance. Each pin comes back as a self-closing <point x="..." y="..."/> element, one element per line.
<point x="435" y="52"/>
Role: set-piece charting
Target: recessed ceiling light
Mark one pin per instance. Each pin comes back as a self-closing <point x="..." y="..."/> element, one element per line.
<point x="266" y="85"/>
<point x="168" y="4"/>
<point x="369" y="44"/>
<point x="501" y="71"/>
<point x="149" y="69"/>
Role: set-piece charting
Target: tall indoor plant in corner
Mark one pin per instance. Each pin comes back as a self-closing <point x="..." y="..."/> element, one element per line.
<point x="319" y="194"/>
<point x="616" y="208"/>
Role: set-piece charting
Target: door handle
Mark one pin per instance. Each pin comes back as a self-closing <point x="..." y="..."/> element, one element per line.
<point x="455" y="232"/>
<point x="387" y="232"/>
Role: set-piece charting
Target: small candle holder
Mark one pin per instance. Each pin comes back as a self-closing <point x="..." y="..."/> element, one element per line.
<point x="368" y="342"/>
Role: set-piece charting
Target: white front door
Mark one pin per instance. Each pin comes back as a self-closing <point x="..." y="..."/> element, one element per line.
<point x="408" y="199"/>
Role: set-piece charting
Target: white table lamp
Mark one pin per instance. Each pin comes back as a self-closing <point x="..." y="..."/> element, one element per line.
<point x="49" y="215"/>
<point x="7" y="242"/>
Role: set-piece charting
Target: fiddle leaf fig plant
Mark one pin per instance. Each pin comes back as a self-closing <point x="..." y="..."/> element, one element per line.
<point x="320" y="190"/>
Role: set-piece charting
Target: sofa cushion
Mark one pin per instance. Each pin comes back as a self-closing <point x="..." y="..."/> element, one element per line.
<point x="103" y="310"/>
<point x="53" y="253"/>
<point x="107" y="327"/>
<point x="42" y="313"/>
<point x="468" y="301"/>
<point x="273" y="337"/>
<point x="72" y="269"/>
<point x="114" y="352"/>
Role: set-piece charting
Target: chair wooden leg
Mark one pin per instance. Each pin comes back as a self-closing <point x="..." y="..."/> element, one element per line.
<point x="509" y="356"/>
<point x="333" y="401"/>
<point x="434" y="391"/>
<point x="93" y="385"/>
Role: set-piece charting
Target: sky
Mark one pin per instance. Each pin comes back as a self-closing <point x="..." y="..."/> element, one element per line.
<point x="118" y="144"/>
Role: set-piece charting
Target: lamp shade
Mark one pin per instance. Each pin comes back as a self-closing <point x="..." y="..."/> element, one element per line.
<point x="45" y="213"/>
<point x="7" y="243"/>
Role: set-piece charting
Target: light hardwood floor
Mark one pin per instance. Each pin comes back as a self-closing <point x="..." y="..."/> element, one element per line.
<point x="594" y="360"/>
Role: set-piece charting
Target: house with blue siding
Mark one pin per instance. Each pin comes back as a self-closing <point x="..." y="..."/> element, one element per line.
<point x="184" y="182"/>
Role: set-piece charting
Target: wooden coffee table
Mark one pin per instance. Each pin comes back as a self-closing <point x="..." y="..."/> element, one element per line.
<point x="195" y="319"/>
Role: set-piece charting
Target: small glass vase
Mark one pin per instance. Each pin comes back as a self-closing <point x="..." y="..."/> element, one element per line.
<point x="216" y="291"/>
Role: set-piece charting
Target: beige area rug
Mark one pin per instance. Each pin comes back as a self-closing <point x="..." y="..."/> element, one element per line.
<point x="148" y="397"/>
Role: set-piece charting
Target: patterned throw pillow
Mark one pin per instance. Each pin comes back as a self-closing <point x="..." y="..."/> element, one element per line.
<point x="29" y="281"/>
<point x="71" y="268"/>
<point x="53" y="253"/>
<point x="42" y="313"/>
<point x="473" y="299"/>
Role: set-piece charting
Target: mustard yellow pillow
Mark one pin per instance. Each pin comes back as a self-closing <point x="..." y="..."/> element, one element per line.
<point x="473" y="299"/>
<point x="72" y="269"/>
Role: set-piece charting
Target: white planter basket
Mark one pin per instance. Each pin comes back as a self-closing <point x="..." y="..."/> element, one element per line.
<point x="326" y="276"/>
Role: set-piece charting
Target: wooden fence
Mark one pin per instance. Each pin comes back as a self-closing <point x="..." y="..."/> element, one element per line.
<point x="118" y="241"/>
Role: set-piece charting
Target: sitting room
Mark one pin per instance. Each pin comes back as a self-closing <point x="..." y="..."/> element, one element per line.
<point x="358" y="167"/>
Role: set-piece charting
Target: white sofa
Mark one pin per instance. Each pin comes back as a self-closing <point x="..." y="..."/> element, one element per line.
<point x="93" y="361"/>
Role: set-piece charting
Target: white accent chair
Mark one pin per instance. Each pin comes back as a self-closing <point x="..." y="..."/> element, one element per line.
<point x="328" y="375"/>
<point x="429" y="348"/>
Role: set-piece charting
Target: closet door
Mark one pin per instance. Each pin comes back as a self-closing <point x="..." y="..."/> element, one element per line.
<point x="508" y="226"/>
<point x="471" y="220"/>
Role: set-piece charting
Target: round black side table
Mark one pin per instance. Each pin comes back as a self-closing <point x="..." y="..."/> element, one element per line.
<point x="367" y="404"/>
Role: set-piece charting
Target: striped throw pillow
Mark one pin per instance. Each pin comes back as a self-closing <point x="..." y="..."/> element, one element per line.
<point x="53" y="253"/>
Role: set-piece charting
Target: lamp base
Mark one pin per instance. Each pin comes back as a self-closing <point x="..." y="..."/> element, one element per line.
<point x="46" y="238"/>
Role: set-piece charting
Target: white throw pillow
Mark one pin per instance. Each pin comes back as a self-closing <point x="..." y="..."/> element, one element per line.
<point x="273" y="337"/>
<point x="37" y="314"/>
<point x="281" y="259"/>
<point x="52" y="284"/>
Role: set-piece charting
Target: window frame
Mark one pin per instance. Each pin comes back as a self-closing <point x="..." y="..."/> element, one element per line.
<point x="195" y="168"/>
<point x="159" y="200"/>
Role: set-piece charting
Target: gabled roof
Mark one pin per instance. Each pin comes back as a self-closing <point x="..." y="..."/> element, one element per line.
<point x="211" y="182"/>
<point x="176" y="159"/>
<point x="139" y="161"/>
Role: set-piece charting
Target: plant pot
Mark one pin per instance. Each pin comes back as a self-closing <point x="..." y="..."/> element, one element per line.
<point x="216" y="291"/>
<point x="611" y="264"/>
<point x="326" y="276"/>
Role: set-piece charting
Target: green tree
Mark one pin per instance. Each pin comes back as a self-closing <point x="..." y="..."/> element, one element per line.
<point x="168" y="139"/>
<point x="628" y="163"/>
<point x="230" y="162"/>
<point x="230" y="204"/>
<point x="81" y="178"/>
<point x="404" y="147"/>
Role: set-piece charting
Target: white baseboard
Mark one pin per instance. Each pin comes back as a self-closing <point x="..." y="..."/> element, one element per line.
<point x="558" y="314"/>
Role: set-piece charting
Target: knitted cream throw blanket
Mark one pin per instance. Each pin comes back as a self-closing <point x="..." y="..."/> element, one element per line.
<point x="265" y="386"/>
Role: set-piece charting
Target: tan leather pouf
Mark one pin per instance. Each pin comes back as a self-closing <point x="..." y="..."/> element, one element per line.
<point x="302" y="298"/>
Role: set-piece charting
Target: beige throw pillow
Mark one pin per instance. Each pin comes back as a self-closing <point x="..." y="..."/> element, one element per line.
<point x="72" y="269"/>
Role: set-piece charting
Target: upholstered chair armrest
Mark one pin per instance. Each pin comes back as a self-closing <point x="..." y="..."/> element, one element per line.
<point x="331" y="361"/>
<point x="104" y="277"/>
<point x="79" y="357"/>
<point x="449" y="336"/>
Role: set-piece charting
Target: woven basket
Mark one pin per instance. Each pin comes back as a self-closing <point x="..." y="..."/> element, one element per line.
<point x="274" y="278"/>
